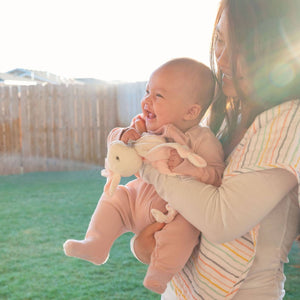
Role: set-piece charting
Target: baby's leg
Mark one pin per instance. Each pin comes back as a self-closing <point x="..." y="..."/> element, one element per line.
<point x="174" y="245"/>
<point x="105" y="227"/>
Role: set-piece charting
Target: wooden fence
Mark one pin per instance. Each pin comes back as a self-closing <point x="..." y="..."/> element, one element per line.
<point x="57" y="127"/>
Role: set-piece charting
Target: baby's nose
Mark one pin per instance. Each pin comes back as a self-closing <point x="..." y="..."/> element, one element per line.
<point x="148" y="98"/>
<point x="146" y="105"/>
<point x="148" y="101"/>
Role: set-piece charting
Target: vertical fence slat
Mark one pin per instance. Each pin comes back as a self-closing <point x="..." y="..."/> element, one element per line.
<point x="56" y="121"/>
<point x="86" y="115"/>
<point x="3" y="168"/>
<point x="27" y="130"/>
<point x="34" y="143"/>
<point x="49" y="125"/>
<point x="10" y="158"/>
<point x="64" y="125"/>
<point x="14" y="130"/>
<point x="24" y="126"/>
<point x="94" y="129"/>
<point x="76" y="124"/>
<point x="2" y="121"/>
<point x="7" y="136"/>
<point x="43" y="153"/>
<point x="70" y="108"/>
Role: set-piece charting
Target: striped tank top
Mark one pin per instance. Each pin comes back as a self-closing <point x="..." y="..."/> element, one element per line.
<point x="216" y="271"/>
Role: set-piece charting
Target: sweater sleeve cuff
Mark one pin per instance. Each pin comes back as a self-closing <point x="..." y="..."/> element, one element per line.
<point x="132" y="248"/>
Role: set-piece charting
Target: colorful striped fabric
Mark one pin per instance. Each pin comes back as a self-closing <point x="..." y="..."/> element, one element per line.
<point x="216" y="271"/>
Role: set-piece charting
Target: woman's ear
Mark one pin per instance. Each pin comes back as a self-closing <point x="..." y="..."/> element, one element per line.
<point x="193" y="112"/>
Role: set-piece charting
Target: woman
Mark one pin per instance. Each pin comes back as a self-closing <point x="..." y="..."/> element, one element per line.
<point x="249" y="223"/>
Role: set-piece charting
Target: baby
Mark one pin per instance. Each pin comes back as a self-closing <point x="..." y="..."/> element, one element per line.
<point x="177" y="95"/>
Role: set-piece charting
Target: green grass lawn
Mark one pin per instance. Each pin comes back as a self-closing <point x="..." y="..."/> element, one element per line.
<point x="39" y="211"/>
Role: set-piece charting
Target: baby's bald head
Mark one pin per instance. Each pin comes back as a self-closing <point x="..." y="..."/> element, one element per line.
<point x="197" y="80"/>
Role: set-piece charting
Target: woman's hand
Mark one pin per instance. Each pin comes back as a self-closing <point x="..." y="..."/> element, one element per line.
<point x="144" y="243"/>
<point x="174" y="160"/>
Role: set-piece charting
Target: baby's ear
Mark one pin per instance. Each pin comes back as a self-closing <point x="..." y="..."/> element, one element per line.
<point x="192" y="112"/>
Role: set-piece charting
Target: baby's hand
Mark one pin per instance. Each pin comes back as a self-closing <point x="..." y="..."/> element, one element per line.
<point x="135" y="130"/>
<point x="130" y="134"/>
<point x="174" y="160"/>
<point x="139" y="124"/>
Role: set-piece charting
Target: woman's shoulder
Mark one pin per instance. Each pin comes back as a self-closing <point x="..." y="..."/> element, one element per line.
<point x="291" y="105"/>
<point x="271" y="141"/>
<point x="286" y="111"/>
<point x="288" y="106"/>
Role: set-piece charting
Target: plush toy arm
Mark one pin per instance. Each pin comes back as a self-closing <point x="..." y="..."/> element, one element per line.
<point x="183" y="152"/>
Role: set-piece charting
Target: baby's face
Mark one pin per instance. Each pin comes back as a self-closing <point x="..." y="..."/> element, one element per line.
<point x="166" y="99"/>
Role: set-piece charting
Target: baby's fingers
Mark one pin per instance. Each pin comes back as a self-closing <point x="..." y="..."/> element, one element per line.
<point x="140" y="125"/>
<point x="130" y="134"/>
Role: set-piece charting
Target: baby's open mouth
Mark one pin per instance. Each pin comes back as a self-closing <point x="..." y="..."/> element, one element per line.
<point x="150" y="115"/>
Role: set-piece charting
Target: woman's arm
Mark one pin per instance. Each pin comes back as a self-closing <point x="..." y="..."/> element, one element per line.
<point x="226" y="212"/>
<point x="211" y="174"/>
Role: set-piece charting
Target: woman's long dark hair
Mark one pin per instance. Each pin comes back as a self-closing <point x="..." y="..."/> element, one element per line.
<point x="266" y="33"/>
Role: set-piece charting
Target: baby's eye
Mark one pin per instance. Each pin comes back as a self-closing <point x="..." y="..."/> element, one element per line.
<point x="159" y="96"/>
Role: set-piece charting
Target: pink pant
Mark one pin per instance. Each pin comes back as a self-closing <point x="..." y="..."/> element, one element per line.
<point x="129" y="210"/>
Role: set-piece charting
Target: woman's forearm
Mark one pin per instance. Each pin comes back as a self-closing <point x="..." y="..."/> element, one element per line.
<point x="226" y="212"/>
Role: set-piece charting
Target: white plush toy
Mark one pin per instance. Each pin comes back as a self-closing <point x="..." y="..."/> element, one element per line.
<point x="124" y="160"/>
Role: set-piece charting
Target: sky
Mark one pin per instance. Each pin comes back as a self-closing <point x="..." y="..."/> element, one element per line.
<point x="104" y="39"/>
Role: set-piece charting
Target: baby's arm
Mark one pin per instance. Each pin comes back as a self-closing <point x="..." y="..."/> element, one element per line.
<point x="209" y="148"/>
